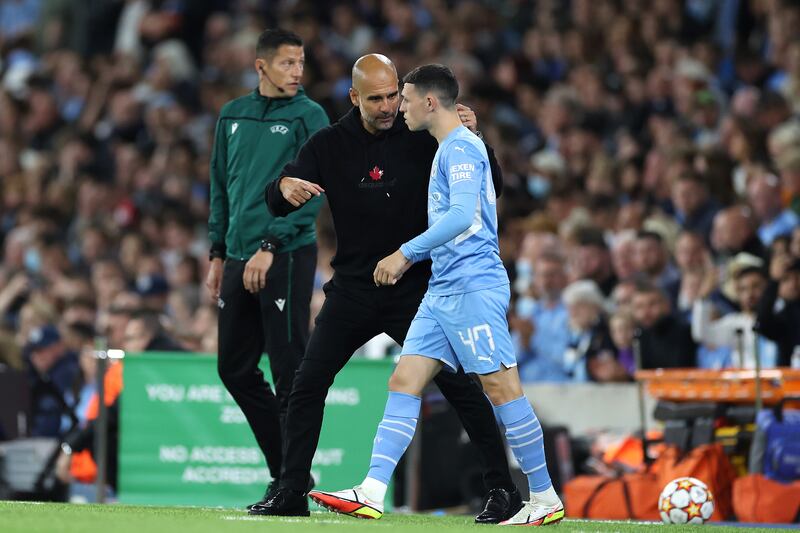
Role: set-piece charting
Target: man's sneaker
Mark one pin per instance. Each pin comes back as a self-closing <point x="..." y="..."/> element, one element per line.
<point x="500" y="505"/>
<point x="272" y="489"/>
<point x="351" y="502"/>
<point x="535" y="514"/>
<point x="286" y="502"/>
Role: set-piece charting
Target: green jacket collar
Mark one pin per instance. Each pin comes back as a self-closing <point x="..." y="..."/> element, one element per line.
<point x="255" y="95"/>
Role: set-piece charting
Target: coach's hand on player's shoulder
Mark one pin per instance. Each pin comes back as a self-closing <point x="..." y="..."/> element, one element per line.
<point x="390" y="269"/>
<point x="468" y="118"/>
<point x="297" y="191"/>
<point x="255" y="271"/>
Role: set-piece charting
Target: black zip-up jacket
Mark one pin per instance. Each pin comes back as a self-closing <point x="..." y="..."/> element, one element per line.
<point x="781" y="326"/>
<point x="377" y="189"/>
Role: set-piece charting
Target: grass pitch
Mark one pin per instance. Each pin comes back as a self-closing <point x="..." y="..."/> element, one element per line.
<point x="64" y="518"/>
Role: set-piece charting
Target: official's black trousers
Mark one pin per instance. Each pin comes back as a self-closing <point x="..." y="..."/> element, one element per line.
<point x="276" y="321"/>
<point x="349" y="318"/>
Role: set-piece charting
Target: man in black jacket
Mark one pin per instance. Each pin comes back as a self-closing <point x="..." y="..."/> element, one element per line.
<point x="780" y="324"/>
<point x="666" y="342"/>
<point x="374" y="172"/>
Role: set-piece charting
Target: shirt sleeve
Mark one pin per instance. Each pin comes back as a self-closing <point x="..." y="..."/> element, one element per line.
<point x="465" y="168"/>
<point x="282" y="230"/>
<point x="306" y="167"/>
<point x="706" y="331"/>
<point x="218" y="215"/>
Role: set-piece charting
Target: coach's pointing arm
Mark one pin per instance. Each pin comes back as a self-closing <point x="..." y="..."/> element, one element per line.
<point x="288" y="193"/>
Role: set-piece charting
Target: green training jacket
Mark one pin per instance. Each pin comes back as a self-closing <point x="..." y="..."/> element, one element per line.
<point x="255" y="137"/>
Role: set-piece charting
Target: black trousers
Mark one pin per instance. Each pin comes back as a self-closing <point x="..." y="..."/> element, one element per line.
<point x="275" y="320"/>
<point x="349" y="318"/>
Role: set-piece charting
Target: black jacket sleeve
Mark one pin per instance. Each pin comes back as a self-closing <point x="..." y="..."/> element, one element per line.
<point x="81" y="439"/>
<point x="305" y="166"/>
<point x="769" y="323"/>
<point x="497" y="173"/>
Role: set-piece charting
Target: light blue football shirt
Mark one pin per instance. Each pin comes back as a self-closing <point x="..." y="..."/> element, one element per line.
<point x="462" y="219"/>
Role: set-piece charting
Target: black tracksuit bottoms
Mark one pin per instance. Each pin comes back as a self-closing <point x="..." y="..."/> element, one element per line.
<point x="349" y="318"/>
<point x="275" y="321"/>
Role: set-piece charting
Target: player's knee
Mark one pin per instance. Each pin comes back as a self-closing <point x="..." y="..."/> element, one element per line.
<point x="402" y="381"/>
<point x="500" y="389"/>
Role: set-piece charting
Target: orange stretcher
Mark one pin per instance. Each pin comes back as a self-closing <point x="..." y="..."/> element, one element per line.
<point x="730" y="385"/>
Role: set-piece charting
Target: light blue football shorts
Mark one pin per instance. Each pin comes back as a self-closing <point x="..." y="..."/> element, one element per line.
<point x="464" y="330"/>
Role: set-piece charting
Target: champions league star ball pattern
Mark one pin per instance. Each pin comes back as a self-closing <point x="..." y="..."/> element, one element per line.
<point x="685" y="500"/>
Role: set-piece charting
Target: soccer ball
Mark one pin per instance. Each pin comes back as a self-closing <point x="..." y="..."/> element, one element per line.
<point x="685" y="500"/>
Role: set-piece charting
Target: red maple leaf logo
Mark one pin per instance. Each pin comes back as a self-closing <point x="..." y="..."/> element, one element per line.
<point x="376" y="174"/>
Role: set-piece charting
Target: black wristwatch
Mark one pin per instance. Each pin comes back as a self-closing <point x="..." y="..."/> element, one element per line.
<point x="267" y="246"/>
<point x="217" y="251"/>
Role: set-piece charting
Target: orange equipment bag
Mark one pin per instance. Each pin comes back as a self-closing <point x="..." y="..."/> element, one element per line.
<point x="759" y="499"/>
<point x="709" y="464"/>
<point x="631" y="496"/>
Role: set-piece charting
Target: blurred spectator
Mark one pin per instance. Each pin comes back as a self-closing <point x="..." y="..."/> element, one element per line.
<point x="734" y="232"/>
<point x="622" y="327"/>
<point x="788" y="165"/>
<point x="764" y="195"/>
<point x="591" y="260"/>
<point x="52" y="371"/>
<point x="665" y="341"/>
<point x="153" y="289"/>
<point x="590" y="355"/>
<point x="144" y="333"/>
<point x="651" y="260"/>
<point x="779" y="323"/>
<point x="541" y="324"/>
<point x="735" y="330"/>
<point x="694" y="209"/>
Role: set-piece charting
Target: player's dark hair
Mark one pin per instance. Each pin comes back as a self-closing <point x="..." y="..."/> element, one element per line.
<point x="435" y="78"/>
<point x="270" y="40"/>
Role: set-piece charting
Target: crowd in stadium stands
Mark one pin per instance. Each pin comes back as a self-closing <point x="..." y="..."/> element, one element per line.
<point x="650" y="151"/>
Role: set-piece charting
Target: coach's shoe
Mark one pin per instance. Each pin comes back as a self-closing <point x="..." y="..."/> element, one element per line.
<point x="285" y="502"/>
<point x="536" y="514"/>
<point x="500" y="505"/>
<point x="351" y="502"/>
<point x="272" y="489"/>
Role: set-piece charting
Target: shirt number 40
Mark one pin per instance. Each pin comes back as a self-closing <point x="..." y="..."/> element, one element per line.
<point x="472" y="337"/>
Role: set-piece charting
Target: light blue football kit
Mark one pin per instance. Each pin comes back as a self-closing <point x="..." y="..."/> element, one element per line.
<point x="462" y="318"/>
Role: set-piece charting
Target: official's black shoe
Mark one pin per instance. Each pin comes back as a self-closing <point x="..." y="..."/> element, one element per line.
<point x="285" y="502"/>
<point x="272" y="489"/>
<point x="500" y="505"/>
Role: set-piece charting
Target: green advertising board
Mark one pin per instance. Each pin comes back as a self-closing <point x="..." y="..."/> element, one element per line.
<point x="184" y="441"/>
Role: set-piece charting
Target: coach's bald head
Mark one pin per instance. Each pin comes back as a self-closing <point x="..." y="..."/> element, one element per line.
<point x="372" y="68"/>
<point x="375" y="92"/>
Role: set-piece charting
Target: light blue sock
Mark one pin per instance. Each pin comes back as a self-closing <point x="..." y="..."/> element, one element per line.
<point x="524" y="435"/>
<point x="394" y="434"/>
